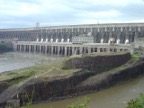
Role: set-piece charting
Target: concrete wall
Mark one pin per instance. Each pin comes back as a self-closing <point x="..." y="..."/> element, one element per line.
<point x="123" y="33"/>
<point x="80" y="83"/>
<point x="98" y="63"/>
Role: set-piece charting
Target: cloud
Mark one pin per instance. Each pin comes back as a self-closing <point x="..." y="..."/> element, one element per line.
<point x="25" y="13"/>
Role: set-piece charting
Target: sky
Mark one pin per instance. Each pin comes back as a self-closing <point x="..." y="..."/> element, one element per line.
<point x="26" y="13"/>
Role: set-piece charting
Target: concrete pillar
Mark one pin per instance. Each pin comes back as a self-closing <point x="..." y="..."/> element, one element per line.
<point x="52" y="50"/>
<point x="85" y="50"/>
<point x="20" y="48"/>
<point x="69" y="50"/>
<point x="24" y="48"/>
<point x="72" y="50"/>
<point x="29" y="48"/>
<point x="98" y="49"/>
<point x="105" y="29"/>
<point x="108" y="49"/>
<point x="58" y="50"/>
<point x="39" y="48"/>
<point x="121" y="29"/>
<point x="65" y="51"/>
<point x="98" y="29"/>
<point x="130" y="29"/>
<point x="34" y="48"/>
<point x="84" y="29"/>
<point x="45" y="49"/>
<point x="81" y="48"/>
<point x="113" y="29"/>
<point x="62" y="40"/>
<point x="118" y="50"/>
<point x="89" y="49"/>
<point x="118" y="41"/>
<point x="72" y="30"/>
<point x="15" y="47"/>
<point x="90" y="29"/>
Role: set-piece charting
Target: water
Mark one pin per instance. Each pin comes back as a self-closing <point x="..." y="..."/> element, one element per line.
<point x="14" y="60"/>
<point x="114" y="97"/>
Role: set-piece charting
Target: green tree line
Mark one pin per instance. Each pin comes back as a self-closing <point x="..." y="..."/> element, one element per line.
<point x="5" y="47"/>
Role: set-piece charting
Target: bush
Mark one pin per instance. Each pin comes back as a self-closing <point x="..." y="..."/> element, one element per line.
<point x="4" y="47"/>
<point x="80" y="104"/>
<point x="137" y="103"/>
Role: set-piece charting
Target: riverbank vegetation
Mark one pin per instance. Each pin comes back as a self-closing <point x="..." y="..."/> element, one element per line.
<point x="39" y="72"/>
<point x="137" y="103"/>
<point x="83" y="103"/>
<point x="5" y="47"/>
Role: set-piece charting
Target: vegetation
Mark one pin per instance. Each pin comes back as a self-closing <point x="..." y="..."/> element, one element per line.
<point x="80" y="104"/>
<point x="5" y="47"/>
<point x="137" y="103"/>
<point x="46" y="71"/>
<point x="135" y="56"/>
<point x="43" y="71"/>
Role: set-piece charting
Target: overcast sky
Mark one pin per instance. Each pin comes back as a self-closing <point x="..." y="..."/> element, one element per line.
<point x="25" y="13"/>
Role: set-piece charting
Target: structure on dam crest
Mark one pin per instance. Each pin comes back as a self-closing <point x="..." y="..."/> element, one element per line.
<point x="76" y="39"/>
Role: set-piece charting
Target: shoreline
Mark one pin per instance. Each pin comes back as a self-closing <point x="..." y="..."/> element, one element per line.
<point x="11" y="61"/>
<point x="95" y="89"/>
<point x="62" y="84"/>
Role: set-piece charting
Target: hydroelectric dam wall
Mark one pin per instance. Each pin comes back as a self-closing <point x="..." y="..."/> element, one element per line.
<point x="75" y="39"/>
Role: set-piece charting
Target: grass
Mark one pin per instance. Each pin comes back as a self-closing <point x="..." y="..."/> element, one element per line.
<point x="134" y="57"/>
<point x="97" y="54"/>
<point x="48" y="70"/>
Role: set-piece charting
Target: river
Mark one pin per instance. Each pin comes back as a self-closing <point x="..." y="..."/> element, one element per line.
<point x="114" y="97"/>
<point x="15" y="60"/>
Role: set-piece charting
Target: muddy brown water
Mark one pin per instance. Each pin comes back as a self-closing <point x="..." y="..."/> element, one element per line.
<point x="114" y="97"/>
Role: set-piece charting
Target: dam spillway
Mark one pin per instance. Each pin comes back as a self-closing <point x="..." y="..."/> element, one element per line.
<point x="75" y="39"/>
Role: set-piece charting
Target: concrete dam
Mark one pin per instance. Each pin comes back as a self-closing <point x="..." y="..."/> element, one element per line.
<point x="76" y="39"/>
